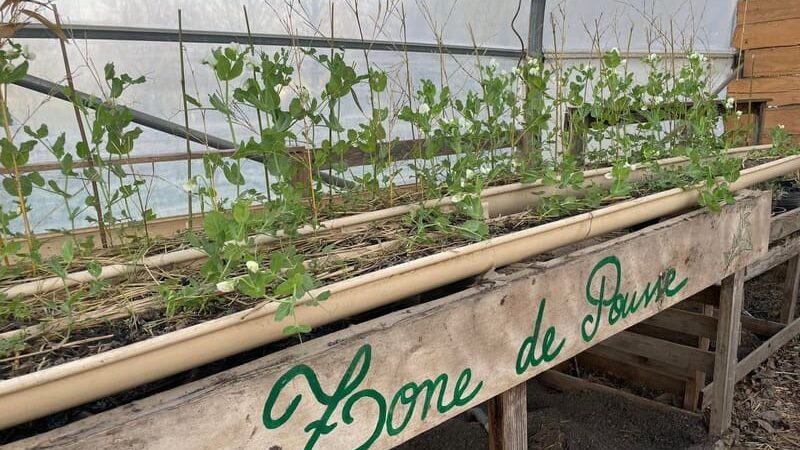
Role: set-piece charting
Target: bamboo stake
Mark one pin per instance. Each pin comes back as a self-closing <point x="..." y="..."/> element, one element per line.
<point x="258" y="111"/>
<point x="75" y="100"/>
<point x="185" y="114"/>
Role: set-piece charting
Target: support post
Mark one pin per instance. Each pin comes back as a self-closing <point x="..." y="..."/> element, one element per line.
<point x="697" y="381"/>
<point x="790" y="289"/>
<point x="728" y="328"/>
<point x="508" y="419"/>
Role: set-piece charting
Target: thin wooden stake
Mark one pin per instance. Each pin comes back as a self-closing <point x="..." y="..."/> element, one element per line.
<point x="74" y="97"/>
<point x="185" y="114"/>
<point x="730" y="310"/>
<point x="508" y="419"/>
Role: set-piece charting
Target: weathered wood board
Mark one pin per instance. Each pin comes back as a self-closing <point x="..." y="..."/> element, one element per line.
<point x="382" y="382"/>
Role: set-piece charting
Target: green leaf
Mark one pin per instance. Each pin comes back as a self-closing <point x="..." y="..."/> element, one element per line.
<point x="296" y="329"/>
<point x="284" y="309"/>
<point x="94" y="268"/>
<point x="109" y="71"/>
<point x="68" y="251"/>
<point x="241" y="212"/>
<point x="36" y="178"/>
<point x="192" y="101"/>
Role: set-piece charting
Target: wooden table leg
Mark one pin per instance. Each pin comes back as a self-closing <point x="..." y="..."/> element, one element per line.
<point x="728" y="330"/>
<point x="790" y="289"/>
<point x="697" y="381"/>
<point x="508" y="419"/>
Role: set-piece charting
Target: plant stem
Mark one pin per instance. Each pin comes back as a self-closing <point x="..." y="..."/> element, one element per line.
<point x="23" y="209"/>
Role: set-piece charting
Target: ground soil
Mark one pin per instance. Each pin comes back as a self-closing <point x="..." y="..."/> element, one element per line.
<point x="580" y="420"/>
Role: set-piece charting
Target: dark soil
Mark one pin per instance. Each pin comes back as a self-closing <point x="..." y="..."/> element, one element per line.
<point x="581" y="420"/>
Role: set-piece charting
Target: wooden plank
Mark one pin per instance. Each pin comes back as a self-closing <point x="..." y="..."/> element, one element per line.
<point x="782" y="90"/>
<point x="686" y="322"/>
<point x="708" y="296"/>
<point x="664" y="334"/>
<point x="677" y="355"/>
<point x="771" y="62"/>
<point x="761" y="327"/>
<point x="613" y="353"/>
<point x="727" y="344"/>
<point x="750" y="11"/>
<point x="777" y="254"/>
<point x="759" y="355"/>
<point x="633" y="373"/>
<point x="775" y="33"/>
<point x="381" y="382"/>
<point x="567" y="383"/>
<point x="508" y="419"/>
<point x="791" y="287"/>
<point x="784" y="224"/>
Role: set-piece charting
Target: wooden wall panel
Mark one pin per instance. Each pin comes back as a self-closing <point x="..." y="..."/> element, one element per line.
<point x="755" y="11"/>
<point x="784" y="90"/>
<point x="770" y="62"/>
<point x="768" y="33"/>
<point x="777" y="33"/>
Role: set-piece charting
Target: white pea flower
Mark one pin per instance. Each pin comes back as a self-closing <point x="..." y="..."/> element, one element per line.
<point x="234" y="243"/>
<point x="652" y="57"/>
<point x="729" y="103"/>
<point x="469" y="174"/>
<point x="464" y="124"/>
<point x="226" y="286"/>
<point x="485" y="169"/>
<point x="515" y="71"/>
<point x="644" y="107"/>
<point x="235" y="46"/>
<point x="457" y="198"/>
<point x="252" y="266"/>
<point x="738" y="114"/>
<point x="615" y="50"/>
<point x="624" y="62"/>
<point x="252" y="60"/>
<point x="781" y="126"/>
<point x="27" y="53"/>
<point x="189" y="185"/>
<point x="493" y="63"/>
<point x="424" y="108"/>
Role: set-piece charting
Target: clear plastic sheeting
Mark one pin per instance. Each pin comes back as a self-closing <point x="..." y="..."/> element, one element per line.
<point x="639" y="26"/>
<point x="575" y="32"/>
<point x="461" y="22"/>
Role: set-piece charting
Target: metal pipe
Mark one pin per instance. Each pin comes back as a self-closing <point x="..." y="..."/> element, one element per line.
<point x="536" y="28"/>
<point x="99" y="32"/>
<point x="58" y="91"/>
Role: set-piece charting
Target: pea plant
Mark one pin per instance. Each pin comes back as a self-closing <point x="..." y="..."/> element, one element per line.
<point x="507" y="126"/>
